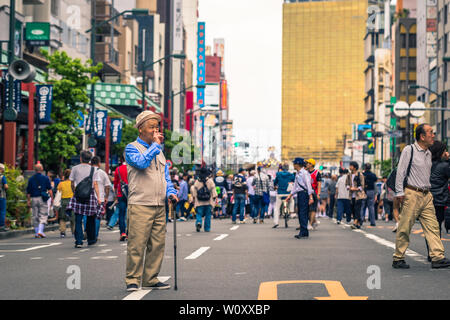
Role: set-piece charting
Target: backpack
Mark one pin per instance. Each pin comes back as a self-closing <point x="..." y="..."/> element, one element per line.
<point x="203" y="194"/>
<point x="237" y="183"/>
<point x="84" y="189"/>
<point x="393" y="175"/>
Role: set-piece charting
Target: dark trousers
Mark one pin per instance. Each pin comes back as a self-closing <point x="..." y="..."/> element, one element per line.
<point x="330" y="211"/>
<point x="90" y="229"/>
<point x="356" y="210"/>
<point x="303" y="212"/>
<point x="123" y="202"/>
<point x="109" y="212"/>
<point x="258" y="207"/>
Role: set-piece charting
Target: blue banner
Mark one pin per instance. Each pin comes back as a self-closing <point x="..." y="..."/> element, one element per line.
<point x="116" y="130"/>
<point x="201" y="64"/>
<point x="17" y="92"/>
<point x="100" y="123"/>
<point x="81" y="120"/>
<point x="44" y="94"/>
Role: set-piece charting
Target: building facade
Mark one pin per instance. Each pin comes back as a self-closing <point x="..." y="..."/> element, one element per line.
<point x="322" y="77"/>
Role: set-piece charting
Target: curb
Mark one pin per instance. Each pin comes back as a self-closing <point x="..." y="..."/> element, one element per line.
<point x="18" y="233"/>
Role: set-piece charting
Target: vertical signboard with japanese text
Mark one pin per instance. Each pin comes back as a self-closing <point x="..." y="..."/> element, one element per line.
<point x="116" y="130"/>
<point x="44" y="94"/>
<point x="17" y="91"/>
<point x="201" y="66"/>
<point x="177" y="26"/>
<point x="432" y="28"/>
<point x="100" y="123"/>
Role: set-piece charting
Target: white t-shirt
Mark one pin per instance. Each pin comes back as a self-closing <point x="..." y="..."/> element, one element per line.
<point x="103" y="181"/>
<point x="342" y="191"/>
<point x="251" y="189"/>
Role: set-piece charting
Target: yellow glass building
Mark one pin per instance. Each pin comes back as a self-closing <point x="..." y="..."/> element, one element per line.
<point x="323" y="77"/>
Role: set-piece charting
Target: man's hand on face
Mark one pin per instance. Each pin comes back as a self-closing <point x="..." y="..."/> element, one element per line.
<point x="158" y="137"/>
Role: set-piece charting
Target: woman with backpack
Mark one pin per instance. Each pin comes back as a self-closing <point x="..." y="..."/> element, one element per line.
<point x="204" y="194"/>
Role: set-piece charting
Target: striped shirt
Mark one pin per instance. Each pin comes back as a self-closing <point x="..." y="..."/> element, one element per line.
<point x="419" y="175"/>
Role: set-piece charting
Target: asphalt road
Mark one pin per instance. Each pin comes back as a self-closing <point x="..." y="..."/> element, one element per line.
<point x="232" y="262"/>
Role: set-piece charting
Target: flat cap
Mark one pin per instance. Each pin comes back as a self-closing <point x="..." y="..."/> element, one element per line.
<point x="145" y="116"/>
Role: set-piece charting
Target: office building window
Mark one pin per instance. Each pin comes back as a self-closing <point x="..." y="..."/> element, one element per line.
<point x="55" y="7"/>
<point x="446" y="13"/>
<point x="412" y="40"/>
<point x="412" y="64"/>
<point x="403" y="40"/>
<point x="445" y="43"/>
<point x="445" y="71"/>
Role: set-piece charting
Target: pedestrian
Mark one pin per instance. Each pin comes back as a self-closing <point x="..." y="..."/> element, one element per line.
<point x="104" y="187"/>
<point x="122" y="189"/>
<point x="3" y="188"/>
<point x="251" y="193"/>
<point x="355" y="184"/>
<point x="262" y="189"/>
<point x="183" y="193"/>
<point x="229" y="195"/>
<point x="205" y="195"/>
<point x="303" y="189"/>
<point x="369" y="189"/>
<point x="440" y="173"/>
<point x="91" y="208"/>
<point x="273" y="197"/>
<point x="149" y="185"/>
<point x="316" y="181"/>
<point x="416" y="200"/>
<point x="332" y="196"/>
<point x="324" y="196"/>
<point x="343" y="197"/>
<point x="110" y="206"/>
<point x="240" y="195"/>
<point x="387" y="196"/>
<point x="222" y="193"/>
<point x="39" y="191"/>
<point x="65" y="187"/>
<point x="281" y="183"/>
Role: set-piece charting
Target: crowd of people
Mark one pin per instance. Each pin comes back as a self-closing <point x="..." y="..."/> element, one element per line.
<point x="141" y="195"/>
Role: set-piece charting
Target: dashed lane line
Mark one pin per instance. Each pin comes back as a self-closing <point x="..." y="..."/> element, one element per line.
<point x="221" y="237"/>
<point x="197" y="253"/>
<point x="34" y="248"/>
<point x="234" y="228"/>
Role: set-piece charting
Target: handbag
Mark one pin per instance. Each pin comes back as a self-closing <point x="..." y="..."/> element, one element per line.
<point x="123" y="186"/>
<point x="57" y="199"/>
<point x="393" y="175"/>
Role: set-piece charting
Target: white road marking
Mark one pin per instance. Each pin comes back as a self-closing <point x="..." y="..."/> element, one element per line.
<point x="34" y="248"/>
<point x="188" y="234"/>
<point x="69" y="258"/>
<point x="410" y="253"/>
<point x="139" y="294"/>
<point x="197" y="253"/>
<point x="1" y="256"/>
<point x="221" y="237"/>
<point x="104" y="258"/>
<point x="36" y="258"/>
<point x="102" y="245"/>
<point x="104" y="251"/>
<point x="234" y="228"/>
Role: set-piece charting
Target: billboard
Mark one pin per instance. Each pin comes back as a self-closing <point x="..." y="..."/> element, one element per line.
<point x="213" y="69"/>
<point x="223" y="95"/>
<point x="219" y="50"/>
<point x="212" y="95"/>
<point x="201" y="67"/>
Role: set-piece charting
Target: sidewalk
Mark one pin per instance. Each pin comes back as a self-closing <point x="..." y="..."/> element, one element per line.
<point x="18" y="233"/>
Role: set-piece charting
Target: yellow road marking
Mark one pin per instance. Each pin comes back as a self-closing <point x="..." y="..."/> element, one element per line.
<point x="268" y="290"/>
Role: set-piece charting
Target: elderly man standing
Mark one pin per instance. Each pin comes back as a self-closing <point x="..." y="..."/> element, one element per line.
<point x="148" y="185"/>
<point x="412" y="189"/>
<point x="39" y="190"/>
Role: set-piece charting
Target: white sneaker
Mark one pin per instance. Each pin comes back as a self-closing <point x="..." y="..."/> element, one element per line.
<point x="310" y="227"/>
<point x="317" y="222"/>
<point x="396" y="226"/>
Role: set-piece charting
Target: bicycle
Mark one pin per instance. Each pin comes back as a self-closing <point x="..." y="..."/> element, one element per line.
<point x="284" y="211"/>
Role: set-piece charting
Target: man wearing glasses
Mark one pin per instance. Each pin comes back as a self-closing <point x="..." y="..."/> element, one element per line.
<point x="148" y="185"/>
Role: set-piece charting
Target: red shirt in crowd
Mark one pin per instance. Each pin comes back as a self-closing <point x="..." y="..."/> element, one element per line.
<point x="122" y="170"/>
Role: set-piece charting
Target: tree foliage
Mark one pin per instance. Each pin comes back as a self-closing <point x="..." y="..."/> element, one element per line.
<point x="70" y="78"/>
<point x="16" y="205"/>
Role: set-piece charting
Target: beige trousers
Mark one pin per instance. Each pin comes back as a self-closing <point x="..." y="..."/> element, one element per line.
<point x="146" y="240"/>
<point x="417" y="205"/>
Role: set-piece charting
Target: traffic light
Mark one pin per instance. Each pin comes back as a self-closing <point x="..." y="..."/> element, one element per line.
<point x="368" y="134"/>
<point x="320" y="168"/>
<point x="236" y="144"/>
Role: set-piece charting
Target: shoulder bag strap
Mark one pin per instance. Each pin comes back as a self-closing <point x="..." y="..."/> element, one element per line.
<point x="410" y="162"/>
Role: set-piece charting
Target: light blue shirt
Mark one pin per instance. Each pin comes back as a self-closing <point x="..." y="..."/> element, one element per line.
<point x="183" y="192"/>
<point x="302" y="182"/>
<point x="142" y="161"/>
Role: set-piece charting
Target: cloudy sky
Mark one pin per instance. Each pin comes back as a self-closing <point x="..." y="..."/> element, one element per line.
<point x="252" y="30"/>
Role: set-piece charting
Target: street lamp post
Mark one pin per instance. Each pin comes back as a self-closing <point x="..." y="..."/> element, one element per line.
<point x="442" y="109"/>
<point x="92" y="30"/>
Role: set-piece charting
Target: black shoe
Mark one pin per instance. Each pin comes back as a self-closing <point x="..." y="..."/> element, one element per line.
<point x="401" y="264"/>
<point x="132" y="287"/>
<point x="338" y="222"/>
<point x="297" y="228"/>
<point x="443" y="263"/>
<point x="254" y="220"/>
<point x="92" y="243"/>
<point x="198" y="226"/>
<point x="275" y="226"/>
<point x="159" y="286"/>
<point x="373" y="225"/>
<point x="429" y="259"/>
<point x="78" y="246"/>
<point x="300" y="237"/>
